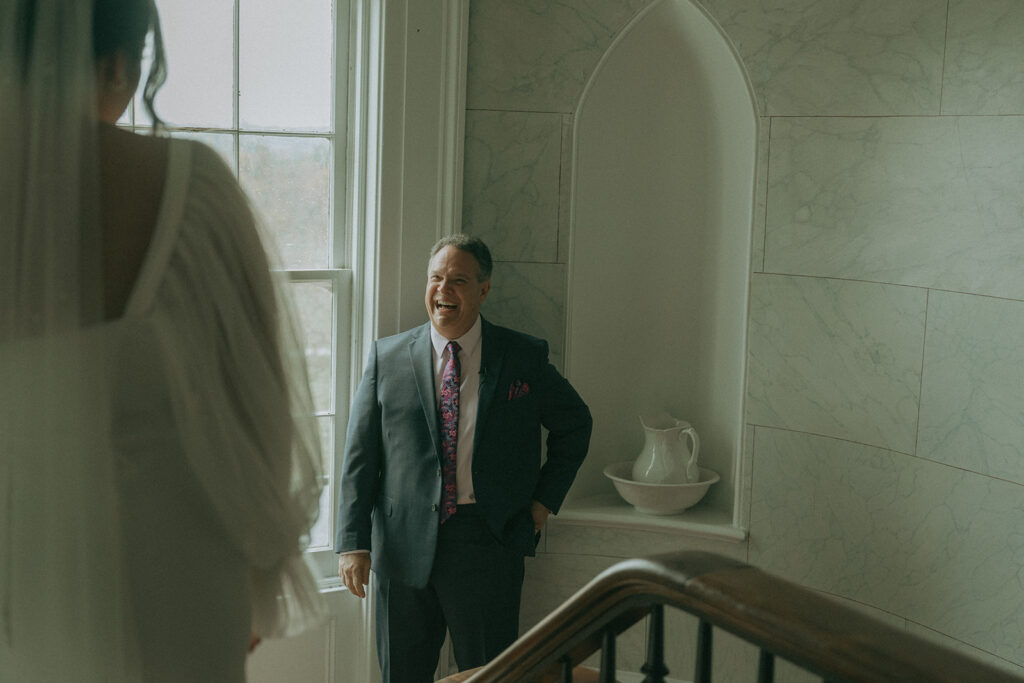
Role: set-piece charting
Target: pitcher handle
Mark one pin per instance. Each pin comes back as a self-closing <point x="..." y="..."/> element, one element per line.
<point x="692" y="468"/>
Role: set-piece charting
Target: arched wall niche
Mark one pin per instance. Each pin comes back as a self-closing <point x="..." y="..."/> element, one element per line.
<point x="664" y="159"/>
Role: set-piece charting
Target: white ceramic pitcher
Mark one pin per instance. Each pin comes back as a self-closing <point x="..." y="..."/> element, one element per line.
<point x="670" y="451"/>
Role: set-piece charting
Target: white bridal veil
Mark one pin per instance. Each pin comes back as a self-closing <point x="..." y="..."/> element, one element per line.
<point x="240" y="399"/>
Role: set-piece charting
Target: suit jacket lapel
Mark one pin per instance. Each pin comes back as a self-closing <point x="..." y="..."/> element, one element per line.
<point x="491" y="355"/>
<point x="421" y="357"/>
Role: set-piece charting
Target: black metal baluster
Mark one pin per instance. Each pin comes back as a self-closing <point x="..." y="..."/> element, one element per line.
<point x="566" y="669"/>
<point x="655" y="668"/>
<point x="766" y="667"/>
<point x="608" y="657"/>
<point x="702" y="672"/>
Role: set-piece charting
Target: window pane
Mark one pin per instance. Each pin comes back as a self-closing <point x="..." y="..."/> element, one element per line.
<point x="284" y="65"/>
<point x="326" y="424"/>
<point x="315" y="303"/>
<point x="288" y="180"/>
<point x="199" y="41"/>
<point x="222" y="143"/>
<point x="319" y="535"/>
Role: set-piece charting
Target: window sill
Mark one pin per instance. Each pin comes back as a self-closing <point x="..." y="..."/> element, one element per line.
<point x="331" y="584"/>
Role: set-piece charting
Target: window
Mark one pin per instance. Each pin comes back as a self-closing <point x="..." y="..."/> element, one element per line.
<point x="265" y="84"/>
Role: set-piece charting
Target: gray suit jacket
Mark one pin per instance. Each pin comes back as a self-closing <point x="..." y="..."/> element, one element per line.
<point x="391" y="473"/>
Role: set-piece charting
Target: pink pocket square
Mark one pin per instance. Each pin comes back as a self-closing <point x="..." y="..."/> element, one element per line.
<point x="518" y="389"/>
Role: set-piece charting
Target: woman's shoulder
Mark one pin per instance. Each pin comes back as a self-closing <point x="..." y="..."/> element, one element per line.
<point x="132" y="159"/>
<point x="218" y="224"/>
<point x="212" y="192"/>
<point x="204" y="156"/>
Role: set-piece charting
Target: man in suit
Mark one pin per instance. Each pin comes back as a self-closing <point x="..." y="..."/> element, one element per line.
<point x="443" y="491"/>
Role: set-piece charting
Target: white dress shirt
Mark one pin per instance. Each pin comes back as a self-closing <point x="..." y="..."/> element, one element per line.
<point x="469" y="394"/>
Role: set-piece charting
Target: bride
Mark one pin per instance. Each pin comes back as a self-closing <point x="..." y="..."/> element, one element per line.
<point x="159" y="462"/>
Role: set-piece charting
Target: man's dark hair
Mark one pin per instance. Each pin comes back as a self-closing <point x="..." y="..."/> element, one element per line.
<point x="474" y="246"/>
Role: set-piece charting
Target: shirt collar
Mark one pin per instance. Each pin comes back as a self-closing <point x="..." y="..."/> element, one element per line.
<point x="467" y="342"/>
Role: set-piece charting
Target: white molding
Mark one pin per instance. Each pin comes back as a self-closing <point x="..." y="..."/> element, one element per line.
<point x="383" y="264"/>
<point x="454" y="40"/>
<point x="365" y="102"/>
<point x="422" y="130"/>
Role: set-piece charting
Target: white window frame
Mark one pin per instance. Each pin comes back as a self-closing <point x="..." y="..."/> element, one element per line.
<point x="406" y="126"/>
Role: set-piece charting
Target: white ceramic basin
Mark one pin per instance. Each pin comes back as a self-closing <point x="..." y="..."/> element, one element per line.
<point x="658" y="499"/>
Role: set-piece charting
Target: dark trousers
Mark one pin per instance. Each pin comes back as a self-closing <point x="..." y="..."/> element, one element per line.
<point x="474" y="590"/>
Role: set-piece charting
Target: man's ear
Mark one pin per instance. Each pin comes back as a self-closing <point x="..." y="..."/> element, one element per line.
<point x="485" y="287"/>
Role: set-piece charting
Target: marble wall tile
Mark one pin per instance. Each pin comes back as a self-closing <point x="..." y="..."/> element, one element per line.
<point x="984" y="52"/>
<point x="511" y="183"/>
<point x="537" y="55"/>
<point x="530" y="297"/>
<point x="836" y="358"/>
<point x="851" y="58"/>
<point x="889" y="619"/>
<point x="993" y="166"/>
<point x="964" y="648"/>
<point x="938" y="545"/>
<point x="931" y="202"/>
<point x="972" y="406"/>
<point x="552" y="579"/>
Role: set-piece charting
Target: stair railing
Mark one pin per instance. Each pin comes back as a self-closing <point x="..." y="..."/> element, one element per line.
<point x="781" y="618"/>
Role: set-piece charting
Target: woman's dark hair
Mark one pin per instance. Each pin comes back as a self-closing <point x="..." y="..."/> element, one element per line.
<point x="124" y="25"/>
<point x="116" y="25"/>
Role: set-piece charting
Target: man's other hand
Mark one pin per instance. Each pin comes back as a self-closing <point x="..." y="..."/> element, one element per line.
<point x="354" y="570"/>
<point x="540" y="515"/>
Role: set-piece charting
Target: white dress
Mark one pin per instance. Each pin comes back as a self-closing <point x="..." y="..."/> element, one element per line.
<point x="215" y="458"/>
<point x="207" y="530"/>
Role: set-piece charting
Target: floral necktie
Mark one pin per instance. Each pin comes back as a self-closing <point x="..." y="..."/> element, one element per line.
<point x="449" y="429"/>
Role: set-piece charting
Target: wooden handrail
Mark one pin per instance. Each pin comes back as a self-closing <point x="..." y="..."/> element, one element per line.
<point x="787" y="620"/>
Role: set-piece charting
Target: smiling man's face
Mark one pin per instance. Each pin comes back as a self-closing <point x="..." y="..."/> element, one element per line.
<point x="454" y="291"/>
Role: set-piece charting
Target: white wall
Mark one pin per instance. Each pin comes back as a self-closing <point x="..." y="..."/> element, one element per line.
<point x="884" y="414"/>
